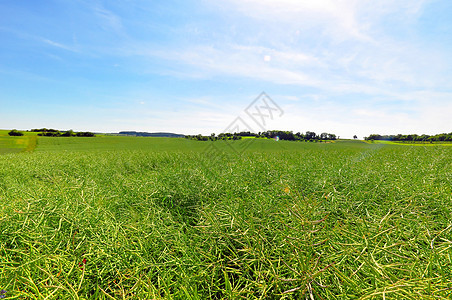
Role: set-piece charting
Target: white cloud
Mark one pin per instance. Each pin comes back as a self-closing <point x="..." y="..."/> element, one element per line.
<point x="28" y="36"/>
<point x="57" y="45"/>
<point x="108" y="20"/>
<point x="369" y="63"/>
<point x="236" y="61"/>
<point x="352" y="39"/>
<point x="335" y="17"/>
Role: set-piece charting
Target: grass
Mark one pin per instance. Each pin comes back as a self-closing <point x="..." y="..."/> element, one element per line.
<point x="158" y="218"/>
<point x="14" y="144"/>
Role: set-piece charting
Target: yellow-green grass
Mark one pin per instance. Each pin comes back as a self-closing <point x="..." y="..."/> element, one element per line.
<point x="14" y="144"/>
<point x="17" y="144"/>
<point x="159" y="218"/>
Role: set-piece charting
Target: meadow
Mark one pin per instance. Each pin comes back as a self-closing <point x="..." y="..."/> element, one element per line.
<point x="16" y="144"/>
<point x="159" y="218"/>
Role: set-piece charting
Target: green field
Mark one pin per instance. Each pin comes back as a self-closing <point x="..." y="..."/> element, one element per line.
<point x="159" y="218"/>
<point x="14" y="144"/>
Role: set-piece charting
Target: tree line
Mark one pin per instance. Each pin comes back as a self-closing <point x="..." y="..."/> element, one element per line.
<point x="53" y="133"/>
<point x="67" y="133"/>
<point x="442" y="137"/>
<point x="273" y="134"/>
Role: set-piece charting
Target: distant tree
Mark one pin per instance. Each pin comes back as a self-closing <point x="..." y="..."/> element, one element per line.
<point x="412" y="137"/>
<point x="310" y="135"/>
<point x="51" y="133"/>
<point x="44" y="130"/>
<point x="68" y="133"/>
<point x="332" y="136"/>
<point x="14" y="132"/>
<point x="373" y="137"/>
<point x="85" y="134"/>
<point x="355" y="136"/>
<point x="270" y="134"/>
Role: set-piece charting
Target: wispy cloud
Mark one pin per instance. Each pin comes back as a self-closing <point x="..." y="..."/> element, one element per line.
<point x="334" y="18"/>
<point x="57" y="45"/>
<point x="108" y="19"/>
<point x="358" y="74"/>
<point x="367" y="61"/>
<point x="37" y="38"/>
<point x="237" y="61"/>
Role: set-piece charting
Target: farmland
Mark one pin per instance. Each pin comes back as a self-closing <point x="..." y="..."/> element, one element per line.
<point x="159" y="218"/>
<point x="16" y="144"/>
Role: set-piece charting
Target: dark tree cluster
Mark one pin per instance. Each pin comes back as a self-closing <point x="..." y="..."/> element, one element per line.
<point x="290" y="136"/>
<point x="57" y="133"/>
<point x="442" y="137"/>
<point x="44" y="130"/>
<point x="14" y="132"/>
<point x="151" y="134"/>
<point x="270" y="134"/>
<point x="213" y="137"/>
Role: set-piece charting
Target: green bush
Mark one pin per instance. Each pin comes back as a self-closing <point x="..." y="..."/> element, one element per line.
<point x="69" y="133"/>
<point x="14" y="132"/>
<point x="85" y="134"/>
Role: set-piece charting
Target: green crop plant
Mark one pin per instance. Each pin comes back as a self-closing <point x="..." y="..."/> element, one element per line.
<point x="157" y="218"/>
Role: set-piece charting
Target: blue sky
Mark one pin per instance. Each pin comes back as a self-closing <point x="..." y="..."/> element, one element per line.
<point x="345" y="67"/>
